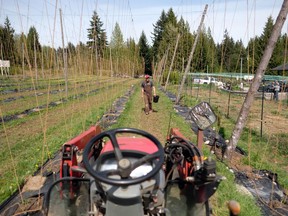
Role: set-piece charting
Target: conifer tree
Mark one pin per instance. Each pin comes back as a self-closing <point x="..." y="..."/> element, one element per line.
<point x="97" y="37"/>
<point x="117" y="41"/>
<point x="144" y="52"/>
<point x="157" y="34"/>
<point x="32" y="45"/>
<point x="7" y="42"/>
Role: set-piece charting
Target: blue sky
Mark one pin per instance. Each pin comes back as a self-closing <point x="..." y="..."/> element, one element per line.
<point x="242" y="18"/>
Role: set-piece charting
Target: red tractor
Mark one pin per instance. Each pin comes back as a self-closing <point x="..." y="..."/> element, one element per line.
<point x="127" y="171"/>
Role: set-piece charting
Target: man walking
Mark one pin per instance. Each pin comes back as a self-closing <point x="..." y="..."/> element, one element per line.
<point x="147" y="87"/>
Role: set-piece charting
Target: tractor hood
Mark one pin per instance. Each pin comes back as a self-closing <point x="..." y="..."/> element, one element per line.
<point x="140" y="144"/>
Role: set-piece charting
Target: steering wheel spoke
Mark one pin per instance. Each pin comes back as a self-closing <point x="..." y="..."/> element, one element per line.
<point x="144" y="160"/>
<point x="117" y="151"/>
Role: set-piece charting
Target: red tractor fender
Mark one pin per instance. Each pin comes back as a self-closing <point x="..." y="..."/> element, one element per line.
<point x="70" y="148"/>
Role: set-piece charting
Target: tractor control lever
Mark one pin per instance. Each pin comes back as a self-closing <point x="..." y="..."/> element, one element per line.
<point x="234" y="208"/>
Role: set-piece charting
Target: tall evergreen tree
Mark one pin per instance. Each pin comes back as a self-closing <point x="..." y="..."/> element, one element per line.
<point x="7" y="42"/>
<point x="257" y="45"/>
<point x="169" y="36"/>
<point x="238" y="57"/>
<point x="117" y="49"/>
<point x="225" y="51"/>
<point x="117" y="41"/>
<point x="185" y="44"/>
<point x="279" y="55"/>
<point x="71" y="52"/>
<point x="19" y="40"/>
<point x="97" y="37"/>
<point x="264" y="40"/>
<point x="32" y="45"/>
<point x="144" y="52"/>
<point x="266" y="33"/>
<point x="119" y="52"/>
<point x="211" y="54"/>
<point x="171" y="17"/>
<point x="157" y="33"/>
<point x="254" y="52"/>
<point x="201" y="53"/>
<point x="135" y="59"/>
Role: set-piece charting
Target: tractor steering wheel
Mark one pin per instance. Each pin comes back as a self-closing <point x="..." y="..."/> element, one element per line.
<point x="124" y="165"/>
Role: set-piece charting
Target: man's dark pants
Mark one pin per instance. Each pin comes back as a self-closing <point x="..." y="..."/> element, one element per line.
<point x="148" y="102"/>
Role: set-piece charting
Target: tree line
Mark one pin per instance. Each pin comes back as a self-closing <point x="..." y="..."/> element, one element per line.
<point x="131" y="58"/>
<point x="227" y="56"/>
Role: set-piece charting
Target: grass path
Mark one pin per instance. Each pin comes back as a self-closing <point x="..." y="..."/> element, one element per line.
<point x="157" y="123"/>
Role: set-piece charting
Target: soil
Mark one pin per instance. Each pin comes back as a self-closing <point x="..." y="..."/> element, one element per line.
<point x="274" y="114"/>
<point x="34" y="183"/>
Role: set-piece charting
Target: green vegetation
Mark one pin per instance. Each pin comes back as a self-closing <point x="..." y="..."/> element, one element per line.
<point x="272" y="146"/>
<point x="157" y="124"/>
<point x="30" y="146"/>
<point x="26" y="143"/>
<point x="228" y="190"/>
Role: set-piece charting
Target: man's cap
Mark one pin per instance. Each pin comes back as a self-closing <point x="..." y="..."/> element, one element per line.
<point x="147" y="76"/>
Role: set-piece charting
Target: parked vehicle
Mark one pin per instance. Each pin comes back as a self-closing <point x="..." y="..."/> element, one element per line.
<point x="248" y="77"/>
<point x="208" y="80"/>
<point x="268" y="86"/>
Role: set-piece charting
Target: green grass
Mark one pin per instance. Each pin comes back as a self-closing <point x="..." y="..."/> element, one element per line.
<point x="30" y="101"/>
<point x="227" y="189"/>
<point x="266" y="152"/>
<point x="26" y="150"/>
<point x="166" y="116"/>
